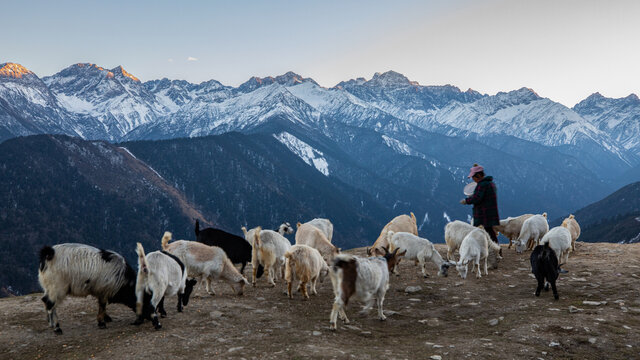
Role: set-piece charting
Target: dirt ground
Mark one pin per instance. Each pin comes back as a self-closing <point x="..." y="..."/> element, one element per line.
<point x="495" y="317"/>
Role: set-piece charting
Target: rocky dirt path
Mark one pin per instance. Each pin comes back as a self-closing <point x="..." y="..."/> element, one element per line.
<point x="497" y="316"/>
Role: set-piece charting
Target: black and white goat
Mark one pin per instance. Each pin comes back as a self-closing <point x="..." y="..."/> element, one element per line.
<point x="81" y="270"/>
<point x="365" y="278"/>
<point x="238" y="250"/>
<point x="544" y="265"/>
<point x="160" y="274"/>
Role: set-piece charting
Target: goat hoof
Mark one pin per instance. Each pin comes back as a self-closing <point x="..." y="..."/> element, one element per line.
<point x="58" y="331"/>
<point x="383" y="318"/>
<point x="556" y="297"/>
<point x="107" y="318"/>
<point x="102" y="325"/>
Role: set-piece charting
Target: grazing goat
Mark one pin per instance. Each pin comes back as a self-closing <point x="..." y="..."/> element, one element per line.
<point x="237" y="249"/>
<point x="324" y="225"/>
<point x="307" y="265"/>
<point x="454" y="233"/>
<point x="312" y="236"/>
<point x="475" y="247"/>
<point x="533" y="229"/>
<point x="365" y="278"/>
<point x="268" y="250"/>
<point x="574" y="228"/>
<point x="511" y="226"/>
<point x="559" y="239"/>
<point x="401" y="223"/>
<point x="210" y="262"/>
<point x="81" y="270"/>
<point x="417" y="248"/>
<point x="544" y="265"/>
<point x="160" y="274"/>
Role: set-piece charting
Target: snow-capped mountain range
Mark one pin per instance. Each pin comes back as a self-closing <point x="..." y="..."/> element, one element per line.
<point x="92" y="102"/>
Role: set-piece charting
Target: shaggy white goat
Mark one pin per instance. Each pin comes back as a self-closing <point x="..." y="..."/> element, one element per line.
<point x="454" y="233"/>
<point x="401" y="223"/>
<point x="324" y="225"/>
<point x="160" y="275"/>
<point x="417" y="248"/>
<point x="81" y="270"/>
<point x="559" y="239"/>
<point x="307" y="265"/>
<point x="209" y="262"/>
<point x="574" y="228"/>
<point x="268" y="250"/>
<point x="533" y="229"/>
<point x="365" y="278"/>
<point x="511" y="226"/>
<point x="312" y="236"/>
<point x="475" y="247"/>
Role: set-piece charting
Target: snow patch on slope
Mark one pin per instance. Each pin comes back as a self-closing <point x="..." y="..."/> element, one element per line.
<point x="304" y="151"/>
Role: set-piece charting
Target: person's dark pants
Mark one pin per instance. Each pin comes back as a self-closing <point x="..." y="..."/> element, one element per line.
<point x="492" y="234"/>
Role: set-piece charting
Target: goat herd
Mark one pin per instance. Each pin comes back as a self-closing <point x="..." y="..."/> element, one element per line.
<point x="81" y="270"/>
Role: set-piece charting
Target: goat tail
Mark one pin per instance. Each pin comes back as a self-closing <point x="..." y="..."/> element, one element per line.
<point x="142" y="260"/>
<point x="46" y="254"/>
<point x="165" y="239"/>
<point x="288" y="271"/>
<point x="197" y="228"/>
<point x="545" y="215"/>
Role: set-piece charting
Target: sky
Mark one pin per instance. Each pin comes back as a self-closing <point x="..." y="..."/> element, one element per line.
<point x="563" y="49"/>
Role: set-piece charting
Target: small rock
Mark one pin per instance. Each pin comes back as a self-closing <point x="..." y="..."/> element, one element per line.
<point x="437" y="346"/>
<point x="459" y="283"/>
<point x="512" y="286"/>
<point x="567" y="327"/>
<point x="635" y="310"/>
<point x="544" y="353"/>
<point x="353" y="327"/>
<point x="592" y="340"/>
<point x="216" y="314"/>
<point x="554" y="344"/>
<point x="317" y="333"/>
<point x="413" y="289"/>
<point x="436" y="357"/>
<point x="578" y="279"/>
<point x="493" y="322"/>
<point x="365" y="333"/>
<point x="593" y="303"/>
<point x="260" y="298"/>
<point x="474" y="304"/>
<point x="390" y="312"/>
<point x="573" y="309"/>
<point x="554" y="309"/>
<point x="501" y="318"/>
<point x="414" y="299"/>
<point x="626" y="327"/>
<point x="235" y="349"/>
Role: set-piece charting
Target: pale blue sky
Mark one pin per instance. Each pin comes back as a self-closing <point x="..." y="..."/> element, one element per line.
<point x="565" y="50"/>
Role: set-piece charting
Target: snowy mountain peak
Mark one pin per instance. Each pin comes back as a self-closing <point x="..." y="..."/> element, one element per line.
<point x="14" y="70"/>
<point x="390" y="78"/>
<point x="288" y="79"/>
<point x="120" y="71"/>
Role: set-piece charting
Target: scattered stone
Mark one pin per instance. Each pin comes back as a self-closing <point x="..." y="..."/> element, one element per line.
<point x="554" y="344"/>
<point x="459" y="283"/>
<point x="532" y="276"/>
<point x="512" y="286"/>
<point x="635" y="310"/>
<point x="544" y="353"/>
<point x="365" y="333"/>
<point x="443" y="289"/>
<point x="316" y="333"/>
<point x="493" y="322"/>
<point x="592" y="340"/>
<point x="626" y="327"/>
<point x="573" y="309"/>
<point x="414" y="299"/>
<point x="554" y="309"/>
<point x="593" y="303"/>
<point x="428" y="343"/>
<point x="390" y="312"/>
<point x="437" y="346"/>
<point x="578" y="279"/>
<point x="353" y="327"/>
<point x="501" y="318"/>
<point x="567" y="327"/>
<point x="216" y="314"/>
<point x="523" y="269"/>
<point x="235" y="349"/>
<point x="260" y="298"/>
<point x="506" y="275"/>
<point x="436" y="357"/>
<point x="474" y="304"/>
<point x="219" y="339"/>
<point x="413" y="289"/>
<point x="601" y="319"/>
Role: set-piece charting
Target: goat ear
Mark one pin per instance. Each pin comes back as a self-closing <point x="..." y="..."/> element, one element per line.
<point x="368" y="251"/>
<point x="386" y="249"/>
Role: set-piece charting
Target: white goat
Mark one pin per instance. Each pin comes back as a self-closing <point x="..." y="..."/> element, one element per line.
<point x="324" y="225"/>
<point x="417" y="248"/>
<point x="365" y="278"/>
<point x="475" y="247"/>
<point x="574" y="228"/>
<point x="160" y="275"/>
<point x="559" y="239"/>
<point x="209" y="262"/>
<point x="268" y="250"/>
<point x="511" y="226"/>
<point x="307" y="265"/>
<point x="533" y="229"/>
<point x="312" y="236"/>
<point x="401" y="223"/>
<point x="454" y="233"/>
<point x="82" y="270"/>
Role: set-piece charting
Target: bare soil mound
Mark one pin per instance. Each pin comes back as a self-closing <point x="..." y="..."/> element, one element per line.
<point x="497" y="316"/>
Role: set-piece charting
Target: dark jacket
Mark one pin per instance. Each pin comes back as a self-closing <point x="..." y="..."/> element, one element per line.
<point x="485" y="203"/>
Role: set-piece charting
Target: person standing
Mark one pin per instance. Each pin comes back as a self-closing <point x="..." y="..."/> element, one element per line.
<point x="484" y="200"/>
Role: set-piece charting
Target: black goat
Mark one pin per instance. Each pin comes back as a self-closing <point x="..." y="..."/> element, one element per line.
<point x="544" y="265"/>
<point x="237" y="248"/>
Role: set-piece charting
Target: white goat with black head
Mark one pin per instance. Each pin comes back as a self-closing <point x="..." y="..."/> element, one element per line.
<point x="82" y="270"/>
<point x="160" y="274"/>
<point x="420" y="249"/>
<point x="365" y="278"/>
